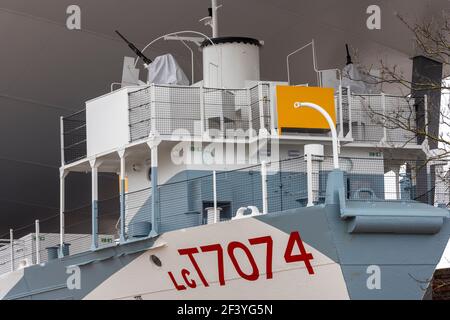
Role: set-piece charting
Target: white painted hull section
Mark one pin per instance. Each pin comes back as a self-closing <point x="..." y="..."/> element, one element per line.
<point x="143" y="279"/>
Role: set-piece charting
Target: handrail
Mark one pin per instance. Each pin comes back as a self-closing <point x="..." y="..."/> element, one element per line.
<point x="74" y="114"/>
<point x="330" y="124"/>
<point x="314" y="61"/>
<point x="173" y="34"/>
<point x="316" y="69"/>
<point x="75" y="129"/>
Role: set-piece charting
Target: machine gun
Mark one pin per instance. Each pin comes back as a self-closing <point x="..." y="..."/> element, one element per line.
<point x="135" y="50"/>
<point x="349" y="58"/>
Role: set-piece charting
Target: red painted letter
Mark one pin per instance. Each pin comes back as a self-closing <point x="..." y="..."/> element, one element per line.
<point x="177" y="286"/>
<point x="269" y="243"/>
<point x="303" y="256"/>
<point x="217" y="247"/>
<point x="190" y="253"/>
<point x="190" y="283"/>
<point x="255" y="273"/>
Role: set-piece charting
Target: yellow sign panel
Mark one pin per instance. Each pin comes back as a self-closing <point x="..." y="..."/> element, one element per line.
<point x="304" y="118"/>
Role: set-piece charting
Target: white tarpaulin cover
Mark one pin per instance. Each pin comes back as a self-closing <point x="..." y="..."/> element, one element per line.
<point x="165" y="70"/>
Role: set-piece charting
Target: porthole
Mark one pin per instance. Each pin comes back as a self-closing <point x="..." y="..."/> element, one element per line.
<point x="155" y="260"/>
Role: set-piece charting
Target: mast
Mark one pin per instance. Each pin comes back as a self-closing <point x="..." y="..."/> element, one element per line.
<point x="214" y="19"/>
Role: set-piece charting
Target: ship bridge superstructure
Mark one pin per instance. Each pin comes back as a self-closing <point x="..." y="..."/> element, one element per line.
<point x="140" y="132"/>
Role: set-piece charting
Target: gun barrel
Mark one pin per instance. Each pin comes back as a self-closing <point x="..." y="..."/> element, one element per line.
<point x="135" y="49"/>
<point x="123" y="38"/>
<point x="349" y="58"/>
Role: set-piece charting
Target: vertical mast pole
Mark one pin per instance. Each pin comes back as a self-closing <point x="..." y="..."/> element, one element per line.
<point x="38" y="242"/>
<point x="214" y="19"/>
<point x="11" y="244"/>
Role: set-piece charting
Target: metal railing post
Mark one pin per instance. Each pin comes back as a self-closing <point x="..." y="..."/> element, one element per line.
<point x="309" y="180"/>
<point x="350" y="129"/>
<point x="313" y="155"/>
<point x="383" y="104"/>
<point x="122" y="238"/>
<point x="264" y="186"/>
<point x="62" y="197"/>
<point x="250" y="119"/>
<point x="38" y="242"/>
<point x="94" y="185"/>
<point x="341" y="115"/>
<point x="425" y="102"/>
<point x="261" y="107"/>
<point x="11" y="241"/>
<point x="153" y="144"/>
<point x="429" y="196"/>
<point x="215" y="196"/>
<point x="155" y="190"/>
<point x="202" y="111"/>
<point x="61" y="126"/>
<point x="153" y="108"/>
<point x="397" y="185"/>
<point x="272" y="108"/>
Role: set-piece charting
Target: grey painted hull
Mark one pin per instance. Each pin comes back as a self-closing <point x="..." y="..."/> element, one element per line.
<point x="343" y="263"/>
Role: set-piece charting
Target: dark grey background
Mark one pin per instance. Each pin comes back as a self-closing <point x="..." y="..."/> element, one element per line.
<point x="47" y="70"/>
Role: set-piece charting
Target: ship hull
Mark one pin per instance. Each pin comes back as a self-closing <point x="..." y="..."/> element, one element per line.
<point x="305" y="253"/>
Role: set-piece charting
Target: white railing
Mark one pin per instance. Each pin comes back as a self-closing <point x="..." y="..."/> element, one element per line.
<point x="264" y="188"/>
<point x="199" y="111"/>
<point x="378" y="118"/>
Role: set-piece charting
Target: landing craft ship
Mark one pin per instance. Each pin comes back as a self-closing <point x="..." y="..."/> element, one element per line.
<point x="237" y="188"/>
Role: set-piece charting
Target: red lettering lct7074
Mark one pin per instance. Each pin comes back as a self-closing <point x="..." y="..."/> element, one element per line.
<point x="185" y="280"/>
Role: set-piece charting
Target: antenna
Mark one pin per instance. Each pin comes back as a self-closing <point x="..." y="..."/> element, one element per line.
<point x="212" y="19"/>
